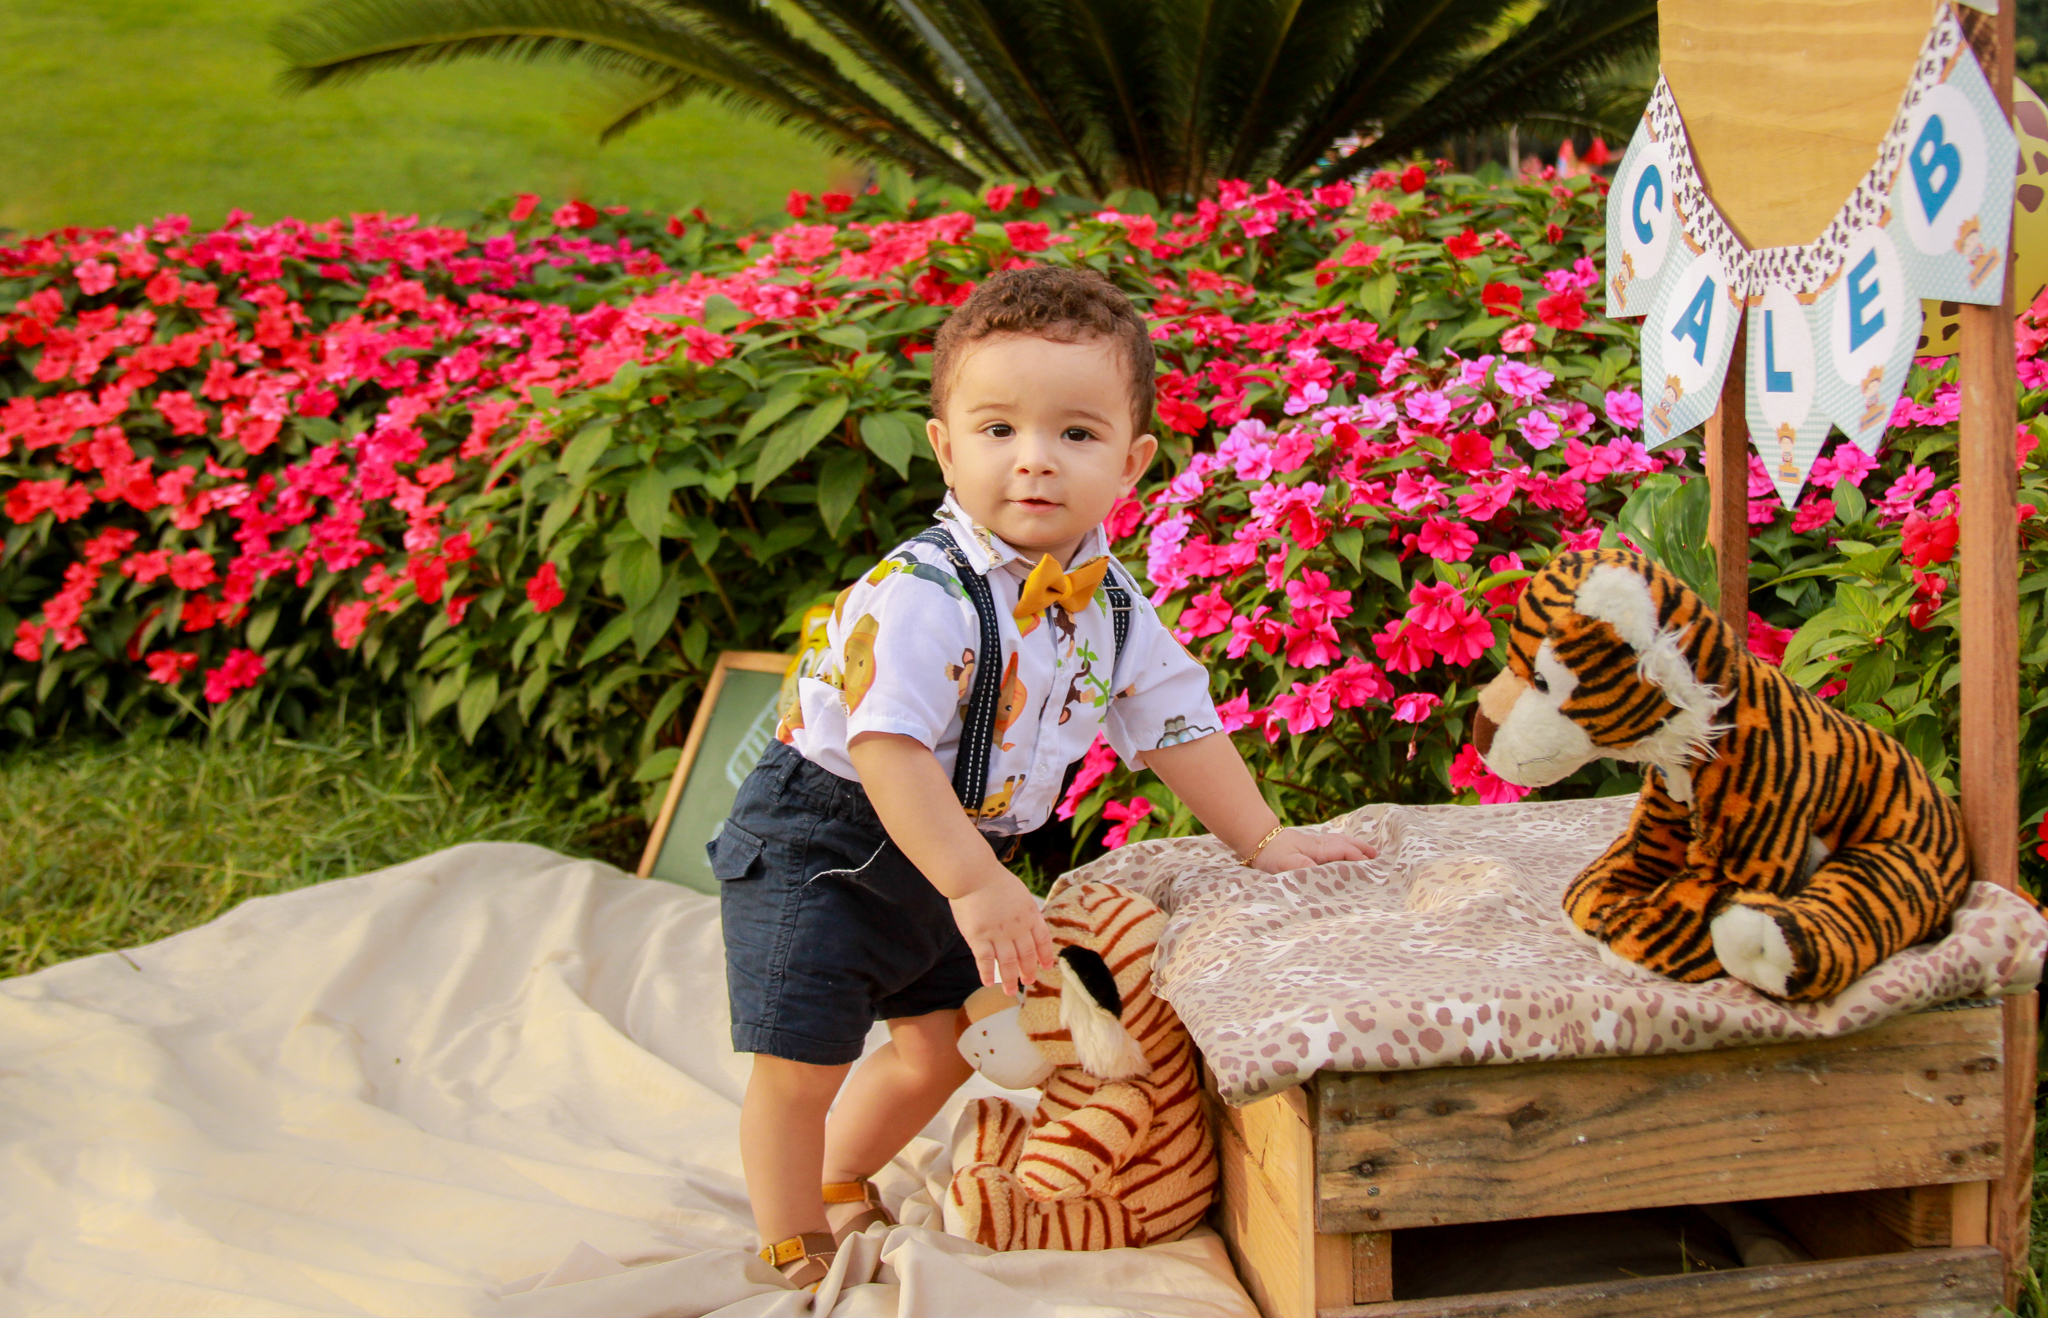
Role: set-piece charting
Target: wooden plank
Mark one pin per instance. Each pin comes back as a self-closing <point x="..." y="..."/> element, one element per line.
<point x="1786" y="104"/>
<point x="1266" y="1211"/>
<point x="1928" y="1283"/>
<point x="1372" y="1267"/>
<point x="1914" y="1101"/>
<point x="1836" y="1226"/>
<point x="1988" y="772"/>
<point x="1727" y="462"/>
<point x="1970" y="1213"/>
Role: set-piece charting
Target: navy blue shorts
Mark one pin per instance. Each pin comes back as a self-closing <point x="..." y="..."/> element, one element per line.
<point x="828" y="926"/>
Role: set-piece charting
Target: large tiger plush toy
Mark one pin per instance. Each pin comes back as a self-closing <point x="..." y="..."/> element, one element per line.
<point x="1776" y="840"/>
<point x="1118" y="1151"/>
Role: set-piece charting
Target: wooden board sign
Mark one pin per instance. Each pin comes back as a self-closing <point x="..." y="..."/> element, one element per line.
<point x="734" y="724"/>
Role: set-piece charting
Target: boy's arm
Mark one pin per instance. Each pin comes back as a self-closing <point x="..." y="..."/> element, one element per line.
<point x="914" y="799"/>
<point x="1212" y="778"/>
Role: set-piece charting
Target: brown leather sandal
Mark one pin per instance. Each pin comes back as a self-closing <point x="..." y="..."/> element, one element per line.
<point x="804" y="1259"/>
<point x="861" y="1191"/>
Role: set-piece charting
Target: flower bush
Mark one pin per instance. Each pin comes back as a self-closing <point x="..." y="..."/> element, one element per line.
<point x="536" y="473"/>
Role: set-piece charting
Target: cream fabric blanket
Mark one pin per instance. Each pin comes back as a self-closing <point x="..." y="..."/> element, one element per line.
<point x="1451" y="948"/>
<point x="493" y="1081"/>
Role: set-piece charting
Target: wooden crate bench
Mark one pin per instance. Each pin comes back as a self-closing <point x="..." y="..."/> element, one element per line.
<point x="1901" y="1126"/>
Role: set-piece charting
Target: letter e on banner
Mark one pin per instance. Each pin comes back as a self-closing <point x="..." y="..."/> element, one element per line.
<point x="1873" y="321"/>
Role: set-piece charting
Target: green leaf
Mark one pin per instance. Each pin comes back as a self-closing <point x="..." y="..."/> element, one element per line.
<point x="608" y="640"/>
<point x="584" y="450"/>
<point x="797" y="438"/>
<point x="639" y="574"/>
<point x="660" y="765"/>
<point x="646" y="501"/>
<point x="558" y="514"/>
<point x="844" y="336"/>
<point x="888" y="439"/>
<point x="839" y="485"/>
<point x="479" y="698"/>
<point x="1385" y="564"/>
<point x="261" y="624"/>
<point x="651" y="623"/>
<point x="441" y="694"/>
<point x="781" y="401"/>
<point x="1350" y="542"/>
<point x="721" y="313"/>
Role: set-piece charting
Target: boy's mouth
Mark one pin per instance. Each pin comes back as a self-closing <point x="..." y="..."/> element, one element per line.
<point x="1036" y="505"/>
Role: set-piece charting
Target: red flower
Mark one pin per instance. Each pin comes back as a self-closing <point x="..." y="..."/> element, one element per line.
<point x="575" y="215"/>
<point x="318" y="402"/>
<point x="170" y="666"/>
<point x="429" y="574"/>
<point x="1028" y="235"/>
<point x="28" y="640"/>
<point x="676" y="228"/>
<point x="242" y="669"/>
<point x="543" y="591"/>
<point x="193" y="570"/>
<point x="1565" y="311"/>
<point x="349" y="621"/>
<point x="1927" y="541"/>
<point x="1414" y="179"/>
<point x="798" y="205"/>
<point x="1767" y="642"/>
<point x="1465" y="246"/>
<point x="1000" y="196"/>
<point x="1181" y="415"/>
<point x="836" y="203"/>
<point x="523" y="206"/>
<point x="706" y="347"/>
<point x="1471" y="451"/>
<point x="1501" y="300"/>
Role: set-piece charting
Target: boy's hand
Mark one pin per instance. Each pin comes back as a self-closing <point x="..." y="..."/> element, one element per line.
<point x="1298" y="849"/>
<point x="999" y="919"/>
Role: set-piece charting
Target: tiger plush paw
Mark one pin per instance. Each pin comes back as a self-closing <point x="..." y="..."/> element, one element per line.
<point x="1752" y="948"/>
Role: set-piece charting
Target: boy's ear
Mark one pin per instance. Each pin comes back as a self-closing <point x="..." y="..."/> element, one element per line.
<point x="1137" y="459"/>
<point x="942" y="446"/>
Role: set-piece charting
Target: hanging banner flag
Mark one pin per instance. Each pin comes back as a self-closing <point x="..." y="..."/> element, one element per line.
<point x="1685" y="343"/>
<point x="1786" y="422"/>
<point x="1832" y="324"/>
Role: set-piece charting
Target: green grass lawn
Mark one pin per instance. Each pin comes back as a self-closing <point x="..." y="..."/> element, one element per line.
<point x="122" y="110"/>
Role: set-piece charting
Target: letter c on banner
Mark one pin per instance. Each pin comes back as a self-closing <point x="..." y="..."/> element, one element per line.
<point x="1652" y="179"/>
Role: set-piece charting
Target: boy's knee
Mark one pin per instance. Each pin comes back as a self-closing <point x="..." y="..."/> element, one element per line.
<point x="801" y="1084"/>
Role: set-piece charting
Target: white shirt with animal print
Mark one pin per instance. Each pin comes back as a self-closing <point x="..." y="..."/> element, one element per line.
<point x="900" y="658"/>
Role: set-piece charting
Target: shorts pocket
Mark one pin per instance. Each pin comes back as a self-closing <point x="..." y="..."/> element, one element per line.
<point x="733" y="852"/>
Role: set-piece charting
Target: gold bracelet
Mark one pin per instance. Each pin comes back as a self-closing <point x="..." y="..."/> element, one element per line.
<point x="1252" y="860"/>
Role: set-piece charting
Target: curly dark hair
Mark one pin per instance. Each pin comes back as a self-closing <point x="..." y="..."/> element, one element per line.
<point x="1049" y="302"/>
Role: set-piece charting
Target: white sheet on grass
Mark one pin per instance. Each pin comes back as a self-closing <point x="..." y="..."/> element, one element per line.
<point x="491" y="1081"/>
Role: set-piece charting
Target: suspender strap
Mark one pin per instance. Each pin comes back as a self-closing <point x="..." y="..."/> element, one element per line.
<point x="978" y="724"/>
<point x="1119" y="612"/>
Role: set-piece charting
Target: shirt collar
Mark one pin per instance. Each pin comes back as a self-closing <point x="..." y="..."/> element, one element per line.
<point x="987" y="551"/>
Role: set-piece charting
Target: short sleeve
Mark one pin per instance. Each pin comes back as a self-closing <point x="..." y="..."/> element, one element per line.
<point x="1162" y="693"/>
<point x="905" y="638"/>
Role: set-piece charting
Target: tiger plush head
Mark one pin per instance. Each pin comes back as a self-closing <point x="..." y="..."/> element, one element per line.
<point x="1609" y="656"/>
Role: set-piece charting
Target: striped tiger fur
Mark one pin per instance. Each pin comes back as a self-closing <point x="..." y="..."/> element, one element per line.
<point x="1776" y="839"/>
<point x="1101" y="1164"/>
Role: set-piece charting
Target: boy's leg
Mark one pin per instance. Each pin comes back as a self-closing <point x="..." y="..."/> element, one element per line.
<point x="894" y="1093"/>
<point x="782" y="1143"/>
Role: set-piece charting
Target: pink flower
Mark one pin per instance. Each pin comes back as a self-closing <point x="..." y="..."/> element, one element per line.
<point x="1447" y="541"/>
<point x="1415" y="706"/>
<point x="1539" y="430"/>
<point x="1469" y="773"/>
<point x="543" y="591"/>
<point x="1313" y="601"/>
<point x="1095" y="766"/>
<point x="1028" y="235"/>
<point x="1469" y="638"/>
<point x="1522" y="381"/>
<point x="1814" y="512"/>
<point x="193" y="570"/>
<point x="1207" y="614"/>
<point x="1517" y="337"/>
<point x="1767" y="642"/>
<point x="1905" y="493"/>
<point x="349" y="621"/>
<point x="1129" y="813"/>
<point x="1357" y="682"/>
<point x="94" y="276"/>
<point x="1235" y="712"/>
<point x="1404" y="647"/>
<point x="1624" y="408"/>
<point x="1311" y="647"/>
<point x="1435" y="606"/>
<point x="1257" y="629"/>
<point x="575" y="215"/>
<point x="1305" y="708"/>
<point x="706" y="346"/>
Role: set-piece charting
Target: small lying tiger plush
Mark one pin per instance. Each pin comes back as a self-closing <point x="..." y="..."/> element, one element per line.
<point x="1776" y="840"/>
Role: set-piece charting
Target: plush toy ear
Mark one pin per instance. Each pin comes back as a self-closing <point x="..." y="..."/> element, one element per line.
<point x="1089" y="1008"/>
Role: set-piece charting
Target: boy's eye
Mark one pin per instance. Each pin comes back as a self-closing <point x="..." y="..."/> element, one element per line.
<point x="1077" y="434"/>
<point x="999" y="429"/>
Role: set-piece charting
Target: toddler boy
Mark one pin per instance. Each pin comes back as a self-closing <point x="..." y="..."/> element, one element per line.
<point x="856" y="884"/>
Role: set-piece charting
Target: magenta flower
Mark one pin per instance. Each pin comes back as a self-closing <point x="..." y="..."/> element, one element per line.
<point x="1415" y="706"/>
<point x="1518" y="337"/>
<point x="1404" y="647"/>
<point x="1468" y="773"/>
<point x="1446" y="540"/>
<point x="1624" y="409"/>
<point x="1814" y="512"/>
<point x="1463" y="642"/>
<point x="1127" y="813"/>
<point x="1522" y="381"/>
<point x="1312" y="647"/>
<point x="1305" y="708"/>
<point x="1357" y="682"/>
<point x="1313" y="601"/>
<point x="1539" y="430"/>
<point x="1095" y="766"/>
<point x="1235" y="712"/>
<point x="1207" y="614"/>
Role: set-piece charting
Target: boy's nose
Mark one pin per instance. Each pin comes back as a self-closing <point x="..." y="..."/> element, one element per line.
<point x="1035" y="454"/>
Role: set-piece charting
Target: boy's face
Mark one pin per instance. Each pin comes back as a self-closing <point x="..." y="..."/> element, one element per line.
<point x="1036" y="439"/>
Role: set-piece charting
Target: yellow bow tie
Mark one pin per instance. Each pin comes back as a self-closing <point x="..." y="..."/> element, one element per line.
<point x="1047" y="586"/>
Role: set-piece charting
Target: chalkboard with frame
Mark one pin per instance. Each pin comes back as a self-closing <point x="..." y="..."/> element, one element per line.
<point x="734" y="724"/>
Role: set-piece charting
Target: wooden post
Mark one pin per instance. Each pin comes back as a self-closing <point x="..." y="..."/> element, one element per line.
<point x="1988" y="776"/>
<point x="1727" y="463"/>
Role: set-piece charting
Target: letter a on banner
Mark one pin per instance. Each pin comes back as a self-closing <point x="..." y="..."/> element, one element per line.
<point x="1686" y="341"/>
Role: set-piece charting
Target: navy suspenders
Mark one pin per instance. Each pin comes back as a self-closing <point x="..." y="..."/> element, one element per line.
<point x="978" y="724"/>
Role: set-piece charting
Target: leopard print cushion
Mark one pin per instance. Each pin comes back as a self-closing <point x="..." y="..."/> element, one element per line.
<point x="1451" y="949"/>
